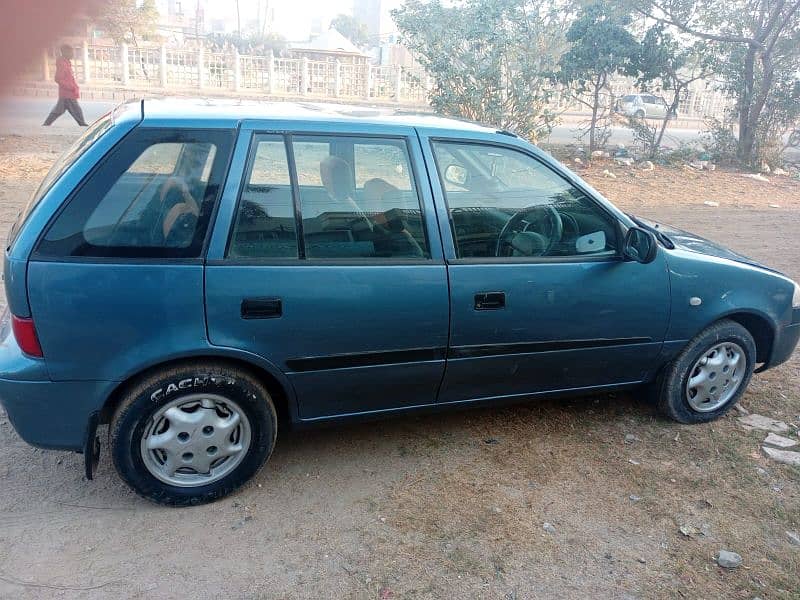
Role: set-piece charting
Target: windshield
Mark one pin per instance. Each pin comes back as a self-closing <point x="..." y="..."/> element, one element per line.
<point x="73" y="153"/>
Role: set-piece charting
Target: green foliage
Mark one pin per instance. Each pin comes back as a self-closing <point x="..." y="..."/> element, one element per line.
<point x="719" y="141"/>
<point x="490" y="60"/>
<point x="758" y="49"/>
<point x="601" y="46"/>
<point x="645" y="136"/>
<point x="683" y="154"/>
<point x="351" y="28"/>
<point x="255" y="44"/>
<point x="128" y="20"/>
<point x="660" y="55"/>
<point x="781" y="104"/>
<point x="671" y="65"/>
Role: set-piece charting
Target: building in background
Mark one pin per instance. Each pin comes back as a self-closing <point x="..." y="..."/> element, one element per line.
<point x="329" y="46"/>
<point x="376" y="15"/>
<point x="182" y="20"/>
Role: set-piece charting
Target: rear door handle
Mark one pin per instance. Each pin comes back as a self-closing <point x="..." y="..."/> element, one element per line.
<point x="262" y="308"/>
<point x="490" y="300"/>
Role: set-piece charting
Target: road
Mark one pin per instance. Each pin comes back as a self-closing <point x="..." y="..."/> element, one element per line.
<point x="23" y="116"/>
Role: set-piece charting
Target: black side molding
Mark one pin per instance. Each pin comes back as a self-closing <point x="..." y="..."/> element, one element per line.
<point x="534" y="347"/>
<point x="391" y="357"/>
<point x="366" y="359"/>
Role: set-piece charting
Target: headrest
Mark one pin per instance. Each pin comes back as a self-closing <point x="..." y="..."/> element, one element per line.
<point x="337" y="177"/>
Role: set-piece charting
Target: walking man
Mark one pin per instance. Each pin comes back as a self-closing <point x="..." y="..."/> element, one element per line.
<point x="68" y="90"/>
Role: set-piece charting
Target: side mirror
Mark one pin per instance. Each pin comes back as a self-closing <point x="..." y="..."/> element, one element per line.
<point x="640" y="245"/>
<point x="456" y="174"/>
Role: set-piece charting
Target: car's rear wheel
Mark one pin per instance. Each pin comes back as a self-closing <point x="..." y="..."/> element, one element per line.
<point x="710" y="375"/>
<point x="639" y="114"/>
<point x="193" y="434"/>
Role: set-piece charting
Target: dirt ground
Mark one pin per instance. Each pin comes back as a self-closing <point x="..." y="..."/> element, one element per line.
<point x="453" y="505"/>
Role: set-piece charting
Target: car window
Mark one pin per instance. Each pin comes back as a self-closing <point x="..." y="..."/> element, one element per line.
<point x="265" y="225"/>
<point x="153" y="197"/>
<point x="504" y="203"/>
<point x="358" y="198"/>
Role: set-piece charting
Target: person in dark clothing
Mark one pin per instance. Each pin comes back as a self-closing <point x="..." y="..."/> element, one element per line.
<point x="68" y="91"/>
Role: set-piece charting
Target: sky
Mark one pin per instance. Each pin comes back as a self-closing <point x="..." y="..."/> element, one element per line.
<point x="292" y="17"/>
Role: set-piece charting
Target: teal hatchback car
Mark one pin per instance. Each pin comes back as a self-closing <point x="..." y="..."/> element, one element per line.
<point x="194" y="274"/>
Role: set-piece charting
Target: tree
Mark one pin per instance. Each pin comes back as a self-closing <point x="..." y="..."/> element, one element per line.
<point x="351" y="28"/>
<point x="490" y="60"/>
<point x="674" y="66"/>
<point x="128" y="20"/>
<point x="601" y="47"/>
<point x="760" y="48"/>
<point x="257" y="44"/>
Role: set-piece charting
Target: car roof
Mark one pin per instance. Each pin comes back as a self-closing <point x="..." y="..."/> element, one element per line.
<point x="184" y="109"/>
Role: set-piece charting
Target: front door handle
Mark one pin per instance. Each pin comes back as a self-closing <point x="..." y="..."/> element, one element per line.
<point x="490" y="300"/>
<point x="262" y="308"/>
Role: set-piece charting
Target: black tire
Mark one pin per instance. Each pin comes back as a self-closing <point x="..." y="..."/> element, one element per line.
<point x="639" y="114"/>
<point x="672" y="400"/>
<point x="146" y="397"/>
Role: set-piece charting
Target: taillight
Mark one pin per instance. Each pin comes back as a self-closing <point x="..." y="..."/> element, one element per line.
<point x="25" y="334"/>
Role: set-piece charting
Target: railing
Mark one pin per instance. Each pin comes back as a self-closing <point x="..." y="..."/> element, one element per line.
<point x="701" y="100"/>
<point x="166" y="69"/>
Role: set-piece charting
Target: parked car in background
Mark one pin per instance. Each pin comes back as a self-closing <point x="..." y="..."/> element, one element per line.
<point x="197" y="275"/>
<point x="644" y="106"/>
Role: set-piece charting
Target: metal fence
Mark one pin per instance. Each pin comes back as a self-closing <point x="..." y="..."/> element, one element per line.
<point x="164" y="68"/>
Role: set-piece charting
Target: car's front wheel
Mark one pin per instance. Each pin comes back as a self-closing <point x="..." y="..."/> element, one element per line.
<point x="710" y="375"/>
<point x="193" y="434"/>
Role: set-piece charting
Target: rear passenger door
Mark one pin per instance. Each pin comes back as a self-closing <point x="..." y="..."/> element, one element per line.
<point x="326" y="262"/>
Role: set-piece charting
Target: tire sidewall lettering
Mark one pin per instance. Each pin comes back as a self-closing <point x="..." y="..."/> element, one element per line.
<point x="189" y="383"/>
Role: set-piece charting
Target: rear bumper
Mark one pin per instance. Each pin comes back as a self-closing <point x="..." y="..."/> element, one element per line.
<point x="52" y="414"/>
<point x="48" y="414"/>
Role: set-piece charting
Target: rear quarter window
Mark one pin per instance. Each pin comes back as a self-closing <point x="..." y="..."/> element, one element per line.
<point x="152" y="196"/>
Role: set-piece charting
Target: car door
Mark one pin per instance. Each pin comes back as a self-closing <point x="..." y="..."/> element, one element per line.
<point x="541" y="299"/>
<point x="326" y="263"/>
<point x="655" y="107"/>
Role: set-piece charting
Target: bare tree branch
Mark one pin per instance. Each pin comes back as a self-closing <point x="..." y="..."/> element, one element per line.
<point x="670" y="19"/>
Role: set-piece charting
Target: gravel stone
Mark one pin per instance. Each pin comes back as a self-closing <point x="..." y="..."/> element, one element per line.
<point x="728" y="560"/>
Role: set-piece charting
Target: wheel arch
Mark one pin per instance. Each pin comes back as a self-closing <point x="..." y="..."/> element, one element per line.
<point x="760" y="327"/>
<point x="277" y="385"/>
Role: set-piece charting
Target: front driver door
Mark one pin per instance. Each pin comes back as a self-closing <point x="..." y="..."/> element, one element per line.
<point x="541" y="299"/>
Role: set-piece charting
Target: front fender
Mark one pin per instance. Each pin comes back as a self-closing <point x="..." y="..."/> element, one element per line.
<point x="706" y="288"/>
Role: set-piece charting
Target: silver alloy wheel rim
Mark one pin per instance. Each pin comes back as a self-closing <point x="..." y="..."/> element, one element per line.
<point x="195" y="440"/>
<point x="716" y="377"/>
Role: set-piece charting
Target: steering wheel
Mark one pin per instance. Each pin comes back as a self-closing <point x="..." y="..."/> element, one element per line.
<point x="547" y="212"/>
